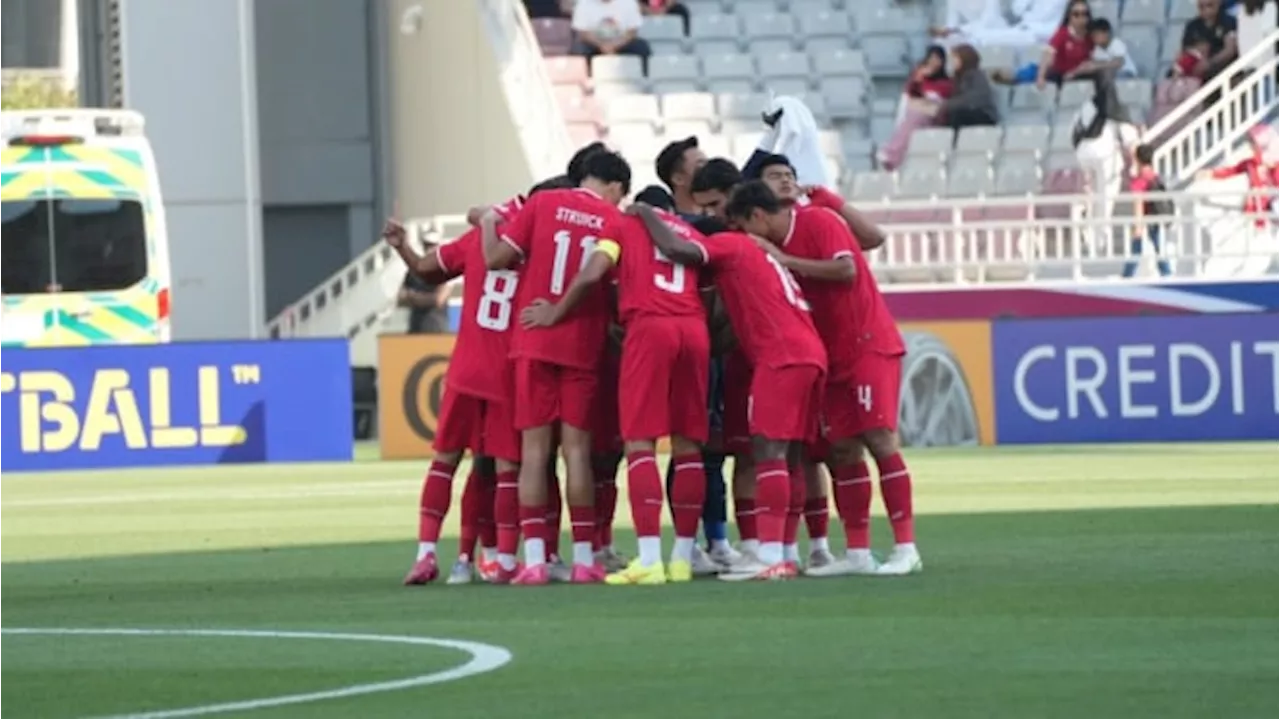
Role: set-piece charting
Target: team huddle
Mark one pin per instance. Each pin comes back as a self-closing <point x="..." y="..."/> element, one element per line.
<point x="600" y="331"/>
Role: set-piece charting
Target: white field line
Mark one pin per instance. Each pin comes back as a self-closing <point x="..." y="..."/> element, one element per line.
<point x="484" y="658"/>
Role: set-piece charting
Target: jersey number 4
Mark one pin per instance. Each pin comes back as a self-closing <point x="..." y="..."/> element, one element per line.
<point x="494" y="312"/>
<point x="560" y="266"/>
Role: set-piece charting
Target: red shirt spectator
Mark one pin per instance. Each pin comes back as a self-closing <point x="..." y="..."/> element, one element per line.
<point x="1069" y="51"/>
<point x="1263" y="174"/>
<point x="929" y="79"/>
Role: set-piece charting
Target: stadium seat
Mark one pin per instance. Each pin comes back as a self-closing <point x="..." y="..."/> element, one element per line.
<point x="874" y="186"/>
<point x="1144" y="12"/>
<point x="689" y="106"/>
<point x="1136" y="94"/>
<point x="757" y="26"/>
<point x="633" y="108"/>
<point x="1030" y="97"/>
<point x="784" y="65"/>
<point x="981" y="139"/>
<point x="970" y="175"/>
<point x="829" y="143"/>
<point x="606" y="91"/>
<point x="744" y="143"/>
<point x="1017" y="175"/>
<point x="921" y="182"/>
<point x="817" y="45"/>
<point x="663" y="28"/>
<point x="668" y="71"/>
<point x="716" y="145"/>
<point x="1181" y="10"/>
<point x="818" y="106"/>
<point x="883" y="19"/>
<point x="825" y="23"/>
<point x="770" y="46"/>
<point x="612" y="68"/>
<point x="839" y="62"/>
<point x="680" y="129"/>
<point x="1143" y="43"/>
<point x="1060" y="139"/>
<point x="705" y="27"/>
<point x="566" y="93"/>
<point x="729" y="87"/>
<point x="1074" y="94"/>
<point x="794" y="86"/>
<point x="930" y="141"/>
<point x="567" y="70"/>
<point x="845" y="97"/>
<point x="583" y="133"/>
<point x="1109" y="9"/>
<point x="555" y="36"/>
<point x="803" y="8"/>
<point x="751" y="8"/>
<point x="734" y="66"/>
<point x="741" y="105"/>
<point x="581" y="109"/>
<point x="1029" y="139"/>
<point x="886" y="55"/>
<point x="999" y="56"/>
<point x="1172" y="44"/>
<point x="631" y="135"/>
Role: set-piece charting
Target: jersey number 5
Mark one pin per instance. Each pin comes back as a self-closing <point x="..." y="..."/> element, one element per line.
<point x="790" y="287"/>
<point x="494" y="312"/>
<point x="560" y="266"/>
<point x="673" y="284"/>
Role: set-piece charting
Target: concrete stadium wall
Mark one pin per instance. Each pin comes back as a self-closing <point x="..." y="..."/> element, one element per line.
<point x="455" y="143"/>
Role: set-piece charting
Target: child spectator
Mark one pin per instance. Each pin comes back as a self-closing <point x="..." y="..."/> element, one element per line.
<point x="1109" y="52"/>
<point x="1193" y="53"/>
<point x="1145" y="180"/>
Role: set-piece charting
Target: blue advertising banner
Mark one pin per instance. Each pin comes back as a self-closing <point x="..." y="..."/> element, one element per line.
<point x="181" y="403"/>
<point x="1139" y="379"/>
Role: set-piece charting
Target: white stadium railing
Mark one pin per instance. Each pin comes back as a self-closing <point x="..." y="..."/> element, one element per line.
<point x="1193" y="135"/>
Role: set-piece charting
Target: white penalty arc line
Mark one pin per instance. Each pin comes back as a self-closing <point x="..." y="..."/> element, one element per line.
<point x="484" y="658"/>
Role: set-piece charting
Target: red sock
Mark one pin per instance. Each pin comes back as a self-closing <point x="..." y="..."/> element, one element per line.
<point x="555" y="509"/>
<point x="745" y="512"/>
<point x="817" y="516"/>
<point x="606" y="507"/>
<point x="506" y="512"/>
<point x="582" y="523"/>
<point x="688" y="494"/>
<point x="795" y="504"/>
<point x="433" y="503"/>
<point x="853" y="501"/>
<point x="644" y="489"/>
<point x="895" y="490"/>
<point x="488" y="530"/>
<point x="472" y="499"/>
<point x="773" y="496"/>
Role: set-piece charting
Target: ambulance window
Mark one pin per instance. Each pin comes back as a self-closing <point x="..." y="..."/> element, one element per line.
<point x="99" y="245"/>
<point x="26" y="268"/>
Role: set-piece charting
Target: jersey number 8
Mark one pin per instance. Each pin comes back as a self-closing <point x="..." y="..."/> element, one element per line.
<point x="494" y="312"/>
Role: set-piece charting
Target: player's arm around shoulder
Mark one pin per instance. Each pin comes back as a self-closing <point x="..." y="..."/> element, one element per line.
<point x="868" y="234"/>
<point x="545" y="313"/>
<point x="675" y="248"/>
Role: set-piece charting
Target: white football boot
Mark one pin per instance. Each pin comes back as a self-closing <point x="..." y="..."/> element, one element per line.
<point x="903" y="560"/>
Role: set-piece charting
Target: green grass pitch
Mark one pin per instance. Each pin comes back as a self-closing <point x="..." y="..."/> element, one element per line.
<point x="1099" y="581"/>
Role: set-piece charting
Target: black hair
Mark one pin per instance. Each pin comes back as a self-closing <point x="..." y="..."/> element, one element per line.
<point x="939" y="52"/>
<point x="1100" y="24"/>
<point x="608" y="166"/>
<point x="718" y="174"/>
<point x="775" y="159"/>
<point x="655" y="196"/>
<point x="1066" y="12"/>
<point x="749" y="197"/>
<point x="709" y="225"/>
<point x="669" y="160"/>
<point x="576" y="170"/>
<point x="1144" y="153"/>
<point x="559" y="182"/>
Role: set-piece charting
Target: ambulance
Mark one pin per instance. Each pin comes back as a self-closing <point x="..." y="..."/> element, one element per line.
<point x="84" y="253"/>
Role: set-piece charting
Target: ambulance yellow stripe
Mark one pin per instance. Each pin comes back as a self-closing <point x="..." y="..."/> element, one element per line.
<point x="25" y="186"/>
<point x="75" y="184"/>
<point x="127" y="173"/>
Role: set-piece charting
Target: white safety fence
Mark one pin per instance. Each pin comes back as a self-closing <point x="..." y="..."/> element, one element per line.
<point x="1050" y="237"/>
<point x="1196" y="133"/>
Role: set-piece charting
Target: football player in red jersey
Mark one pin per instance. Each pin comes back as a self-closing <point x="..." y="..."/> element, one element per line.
<point x="556" y="368"/>
<point x="771" y="320"/>
<point x="476" y="410"/>
<point x="865" y="353"/>
<point x="663" y="382"/>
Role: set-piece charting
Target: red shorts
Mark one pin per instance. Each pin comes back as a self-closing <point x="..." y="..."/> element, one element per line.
<point x="737" y="390"/>
<point x="483" y="426"/>
<point x="605" y="436"/>
<point x="663" y="388"/>
<point x="786" y="402"/>
<point x="547" y="393"/>
<point x="867" y="400"/>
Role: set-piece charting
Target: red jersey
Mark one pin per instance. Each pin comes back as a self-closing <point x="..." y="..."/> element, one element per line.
<point x="1262" y="176"/>
<point x="649" y="284"/>
<point x="1069" y="51"/>
<point x="479" y="362"/>
<point x="555" y="233"/>
<point x="765" y="303"/>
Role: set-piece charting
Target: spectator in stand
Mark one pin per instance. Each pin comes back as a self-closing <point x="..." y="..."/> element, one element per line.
<point x="1190" y="58"/>
<point x="1069" y="48"/>
<point x="1218" y="29"/>
<point x="666" y="7"/>
<point x="1145" y="180"/>
<point x="973" y="100"/>
<point x="1264" y="177"/>
<point x="548" y="8"/>
<point x="1109" y="52"/>
<point x="1255" y="21"/>
<point x="427" y="304"/>
<point x="1103" y="135"/>
<point x="608" y="27"/>
<point x="926" y="88"/>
